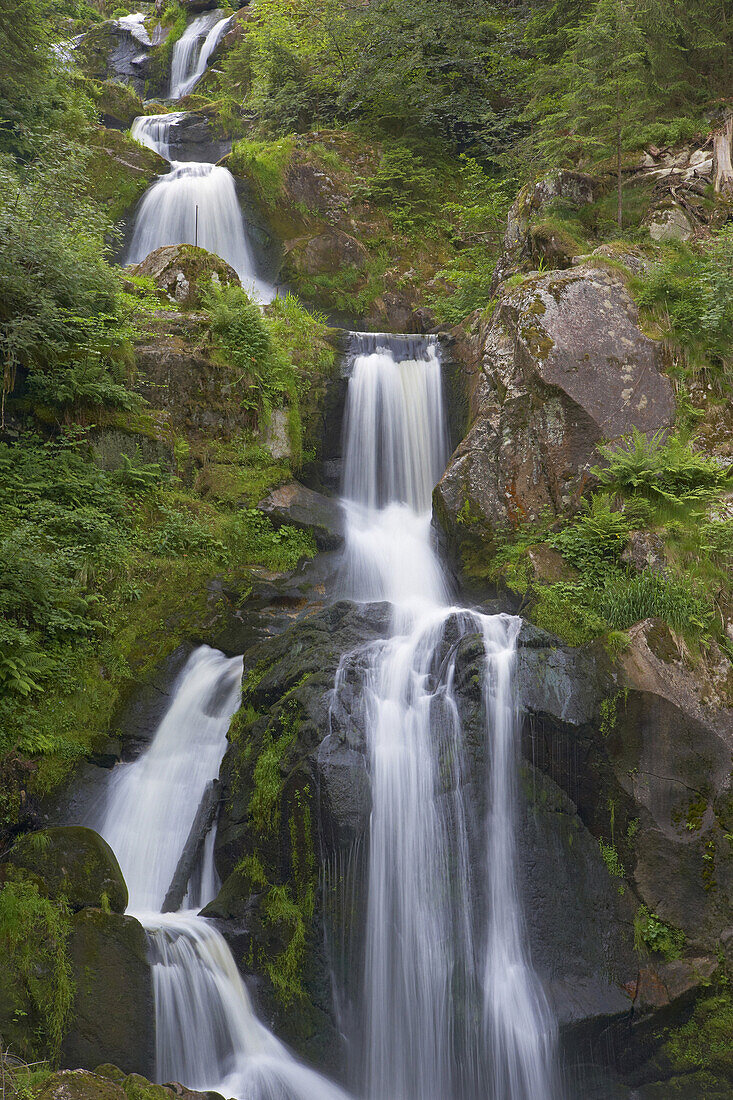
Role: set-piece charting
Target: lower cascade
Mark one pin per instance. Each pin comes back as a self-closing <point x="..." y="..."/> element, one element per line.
<point x="207" y="1033"/>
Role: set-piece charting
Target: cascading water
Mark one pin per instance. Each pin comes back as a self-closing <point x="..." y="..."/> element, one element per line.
<point x="451" y="1006"/>
<point x="207" y="1033"/>
<point x="193" y="49"/>
<point x="193" y="204"/>
<point x="154" y="131"/>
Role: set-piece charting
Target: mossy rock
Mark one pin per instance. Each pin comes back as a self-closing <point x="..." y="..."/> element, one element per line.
<point x="117" y="104"/>
<point x="119" y="170"/>
<point x="75" y="863"/>
<point x="79" y="1084"/>
<point x="114" y="1016"/>
<point x="186" y="272"/>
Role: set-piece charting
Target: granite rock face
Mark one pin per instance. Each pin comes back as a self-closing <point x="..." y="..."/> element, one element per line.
<point x="561" y="366"/>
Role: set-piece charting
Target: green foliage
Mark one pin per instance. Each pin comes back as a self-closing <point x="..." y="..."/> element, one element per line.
<point x="33" y="935"/>
<point x="566" y="610"/>
<point x="58" y="322"/>
<point x="264" y="805"/>
<point x="594" y="543"/>
<point x="265" y="163"/>
<point x="703" y="1041"/>
<point x="665" y="471"/>
<point x="653" y="934"/>
<point x="689" y="293"/>
<point x="610" y="857"/>
<point x="628" y="600"/>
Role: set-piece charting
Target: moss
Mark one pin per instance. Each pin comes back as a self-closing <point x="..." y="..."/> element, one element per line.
<point x="704" y="1041"/>
<point x="117" y="101"/>
<point x="36" y="987"/>
<point x="559" y="609"/>
<point x="264" y="163"/>
<point x="119" y="170"/>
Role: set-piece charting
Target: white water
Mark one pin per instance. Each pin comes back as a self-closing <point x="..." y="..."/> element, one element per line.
<point x="451" y="1007"/>
<point x="154" y="131"/>
<point x="193" y="49"/>
<point x="196" y="204"/>
<point x="207" y="1033"/>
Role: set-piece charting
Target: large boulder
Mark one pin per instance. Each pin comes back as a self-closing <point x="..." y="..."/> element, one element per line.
<point x="185" y="273"/>
<point x="295" y="505"/>
<point x="563" y="365"/>
<point x="114" y="1017"/>
<point x="74" y="863"/>
<point x="119" y="50"/>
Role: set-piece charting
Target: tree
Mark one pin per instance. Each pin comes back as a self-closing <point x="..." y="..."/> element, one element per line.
<point x="600" y="92"/>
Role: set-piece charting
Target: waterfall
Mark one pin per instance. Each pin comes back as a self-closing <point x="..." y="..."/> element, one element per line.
<point x="451" y="1006"/>
<point x="207" y="1032"/>
<point x="194" y="204"/>
<point x="193" y="49"/>
<point x="154" y="131"/>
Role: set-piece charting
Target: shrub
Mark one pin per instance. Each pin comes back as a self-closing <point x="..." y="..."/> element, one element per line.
<point x="593" y="544"/>
<point x="653" y="934"/>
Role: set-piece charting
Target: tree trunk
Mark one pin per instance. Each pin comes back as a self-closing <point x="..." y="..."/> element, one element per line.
<point x="722" y="165"/>
<point x="619" y="192"/>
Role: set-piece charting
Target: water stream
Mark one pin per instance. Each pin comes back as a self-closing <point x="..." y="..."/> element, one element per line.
<point x="193" y="49"/>
<point x="207" y="1032"/>
<point x="451" y="1006"/>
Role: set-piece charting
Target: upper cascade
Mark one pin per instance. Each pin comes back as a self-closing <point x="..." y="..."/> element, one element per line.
<point x="193" y="49"/>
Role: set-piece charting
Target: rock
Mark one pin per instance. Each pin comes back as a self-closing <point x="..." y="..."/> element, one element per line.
<point x="572" y="187"/>
<point x="277" y="435"/>
<point x="192" y="138"/>
<point x="661" y="985"/>
<point x="297" y="506"/>
<point x="113" y="1006"/>
<point x="79" y="1084"/>
<point x="644" y="550"/>
<point x="118" y="50"/>
<point x="119" y="170"/>
<point x="118" y="104"/>
<point x="74" y="862"/>
<point x="328" y="252"/>
<point x="564" y="366"/>
<point x="552" y="245"/>
<point x="669" y="223"/>
<point x="195" y="7"/>
<point x="186" y="272"/>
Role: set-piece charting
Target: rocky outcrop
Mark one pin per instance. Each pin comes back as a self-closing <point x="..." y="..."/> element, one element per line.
<point x="185" y="273"/>
<point x="74" y="863"/>
<point x="119" y="50"/>
<point x="79" y="1084"/>
<point x="295" y="505"/>
<point x="563" y="365"/>
<point x="572" y="187"/>
<point x="113" y="1016"/>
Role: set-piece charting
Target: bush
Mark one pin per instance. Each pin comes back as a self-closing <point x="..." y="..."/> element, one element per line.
<point x="33" y="934"/>
<point x="655" y="935"/>
<point x="593" y="544"/>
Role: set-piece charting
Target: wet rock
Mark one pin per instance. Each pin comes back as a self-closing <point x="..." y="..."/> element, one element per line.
<point x="118" y="50"/>
<point x="185" y="273"/>
<point x="192" y="138"/>
<point x="297" y="506"/>
<point x="564" y="366"/>
<point x="75" y="863"/>
<point x="113" y="1005"/>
